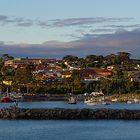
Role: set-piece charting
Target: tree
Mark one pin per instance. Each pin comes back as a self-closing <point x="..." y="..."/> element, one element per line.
<point x="63" y="65"/>
<point x="7" y="57"/>
<point x="82" y="62"/>
<point x="106" y="86"/>
<point x="124" y="56"/>
<point x="112" y="59"/>
<point x="23" y="75"/>
<point x="92" y="58"/>
<point x="70" y="58"/>
<point x="94" y="61"/>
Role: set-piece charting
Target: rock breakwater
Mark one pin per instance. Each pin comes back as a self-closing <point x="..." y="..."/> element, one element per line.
<point x="61" y="113"/>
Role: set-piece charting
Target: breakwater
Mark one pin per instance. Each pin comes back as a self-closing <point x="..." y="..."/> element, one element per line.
<point x="61" y="113"/>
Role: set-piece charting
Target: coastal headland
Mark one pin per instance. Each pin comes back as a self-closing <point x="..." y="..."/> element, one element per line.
<point x="69" y="114"/>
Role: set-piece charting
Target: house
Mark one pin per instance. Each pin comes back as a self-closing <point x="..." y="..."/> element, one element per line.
<point x="20" y="64"/>
<point x="7" y="82"/>
<point x="88" y="75"/>
<point x="110" y="68"/>
<point x="66" y="74"/>
<point x="72" y="66"/>
<point x="134" y="75"/>
<point x="9" y="63"/>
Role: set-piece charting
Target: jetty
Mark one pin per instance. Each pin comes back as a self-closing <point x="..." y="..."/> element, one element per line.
<point x="69" y="114"/>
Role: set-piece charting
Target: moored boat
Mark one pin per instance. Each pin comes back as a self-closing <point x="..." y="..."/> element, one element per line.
<point x="92" y="103"/>
<point x="129" y="102"/>
<point x="136" y="100"/>
<point x="72" y="100"/>
<point x="18" y="98"/>
<point x="105" y="103"/>
<point x="87" y="101"/>
<point x="6" y="99"/>
<point x="132" y="101"/>
<point x="114" y="100"/>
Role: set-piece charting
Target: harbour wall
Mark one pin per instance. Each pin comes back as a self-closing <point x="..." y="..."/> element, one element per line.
<point x="71" y="114"/>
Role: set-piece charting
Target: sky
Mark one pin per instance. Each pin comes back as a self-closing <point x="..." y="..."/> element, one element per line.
<point x="54" y="28"/>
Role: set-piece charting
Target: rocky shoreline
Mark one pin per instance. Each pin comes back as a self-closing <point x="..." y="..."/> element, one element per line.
<point x="61" y="113"/>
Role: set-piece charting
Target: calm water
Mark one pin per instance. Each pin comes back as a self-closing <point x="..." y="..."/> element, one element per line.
<point x="69" y="130"/>
<point x="61" y="104"/>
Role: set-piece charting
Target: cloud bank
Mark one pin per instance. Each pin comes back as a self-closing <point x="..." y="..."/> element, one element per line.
<point x="88" y="44"/>
<point x="16" y="21"/>
<point x="81" y="21"/>
<point x="23" y="22"/>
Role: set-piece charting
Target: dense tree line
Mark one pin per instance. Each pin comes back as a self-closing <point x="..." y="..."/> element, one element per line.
<point x="119" y="83"/>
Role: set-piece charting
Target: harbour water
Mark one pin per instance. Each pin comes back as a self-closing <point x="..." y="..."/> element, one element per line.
<point x="61" y="104"/>
<point x="69" y="129"/>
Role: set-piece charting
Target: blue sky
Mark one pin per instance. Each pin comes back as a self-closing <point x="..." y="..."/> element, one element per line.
<point x="55" y="28"/>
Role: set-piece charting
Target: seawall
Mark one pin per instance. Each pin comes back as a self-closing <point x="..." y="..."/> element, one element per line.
<point x="61" y="113"/>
